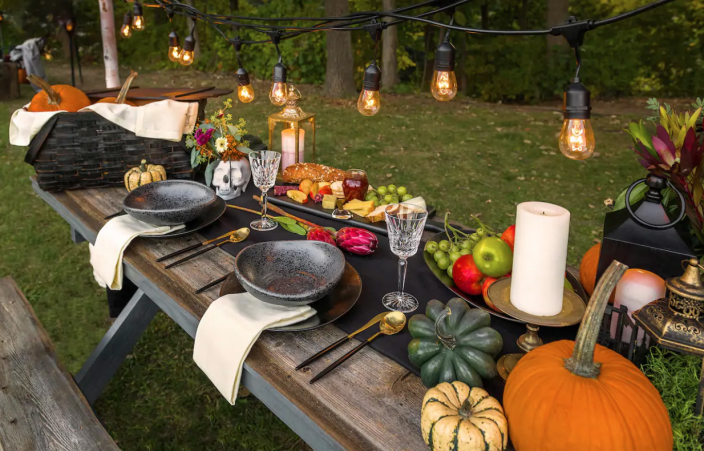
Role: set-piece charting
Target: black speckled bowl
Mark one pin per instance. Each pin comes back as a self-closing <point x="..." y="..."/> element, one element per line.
<point x="169" y="202"/>
<point x="289" y="272"/>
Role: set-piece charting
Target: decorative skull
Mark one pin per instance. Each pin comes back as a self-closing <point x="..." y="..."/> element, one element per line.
<point x="231" y="178"/>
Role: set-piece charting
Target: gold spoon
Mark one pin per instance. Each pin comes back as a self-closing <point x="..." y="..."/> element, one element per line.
<point x="371" y="322"/>
<point x="391" y="323"/>
<point x="239" y="235"/>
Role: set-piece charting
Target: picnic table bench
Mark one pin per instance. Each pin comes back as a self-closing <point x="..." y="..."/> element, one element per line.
<point x="374" y="404"/>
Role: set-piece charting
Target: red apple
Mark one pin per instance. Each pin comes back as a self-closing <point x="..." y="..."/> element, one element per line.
<point x="485" y="289"/>
<point x="467" y="276"/>
<point x="509" y="236"/>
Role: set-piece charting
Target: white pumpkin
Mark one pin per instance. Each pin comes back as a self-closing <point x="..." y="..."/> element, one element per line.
<point x="456" y="417"/>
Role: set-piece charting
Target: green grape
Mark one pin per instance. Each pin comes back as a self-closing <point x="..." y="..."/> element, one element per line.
<point x="454" y="256"/>
<point x="475" y="238"/>
<point x="455" y="248"/>
<point x="480" y="232"/>
<point x="449" y="270"/>
<point x="401" y="191"/>
<point x="444" y="245"/>
<point x="438" y="255"/>
<point x="466" y="251"/>
<point x="382" y="191"/>
<point x="444" y="263"/>
<point x="431" y="247"/>
<point x="406" y="197"/>
<point x="371" y="195"/>
<point x="466" y="244"/>
<point x="392" y="189"/>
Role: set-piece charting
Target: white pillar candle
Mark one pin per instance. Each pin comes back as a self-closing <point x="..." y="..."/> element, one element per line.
<point x="288" y="147"/>
<point x="539" y="258"/>
<point x="636" y="288"/>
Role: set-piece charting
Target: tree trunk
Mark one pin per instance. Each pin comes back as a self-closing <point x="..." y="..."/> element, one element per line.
<point x="428" y="63"/>
<point x="485" y="14"/>
<point x="191" y="23"/>
<point x="523" y="19"/>
<point x="339" y="71"/>
<point x="461" y="65"/>
<point x="107" y="29"/>
<point x="389" y="61"/>
<point x="234" y="7"/>
<point x="557" y="13"/>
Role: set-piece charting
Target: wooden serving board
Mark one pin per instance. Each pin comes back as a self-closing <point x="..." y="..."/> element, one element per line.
<point x="356" y="221"/>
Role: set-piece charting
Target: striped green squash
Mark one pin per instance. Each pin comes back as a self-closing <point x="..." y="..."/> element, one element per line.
<point x="456" y="417"/>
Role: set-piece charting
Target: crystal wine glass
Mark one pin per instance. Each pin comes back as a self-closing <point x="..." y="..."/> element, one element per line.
<point x="405" y="224"/>
<point x="265" y="166"/>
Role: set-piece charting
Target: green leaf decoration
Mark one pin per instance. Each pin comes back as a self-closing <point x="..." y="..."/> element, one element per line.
<point x="190" y="142"/>
<point x="636" y="195"/>
<point x="284" y="220"/>
<point x="243" y="149"/>
<point x="194" y="158"/>
<point x="693" y="119"/>
<point x="209" y="171"/>
<point x="331" y="230"/>
<point x="205" y="126"/>
<point x="295" y="228"/>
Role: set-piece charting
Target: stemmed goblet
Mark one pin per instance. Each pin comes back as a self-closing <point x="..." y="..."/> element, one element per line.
<point x="265" y="166"/>
<point x="405" y="224"/>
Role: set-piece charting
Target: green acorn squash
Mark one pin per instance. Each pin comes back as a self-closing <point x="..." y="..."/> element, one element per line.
<point x="453" y="343"/>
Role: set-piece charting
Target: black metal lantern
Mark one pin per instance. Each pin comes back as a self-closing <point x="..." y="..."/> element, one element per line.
<point x="643" y="236"/>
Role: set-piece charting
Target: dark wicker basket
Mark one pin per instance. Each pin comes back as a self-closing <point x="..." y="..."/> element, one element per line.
<point x="85" y="150"/>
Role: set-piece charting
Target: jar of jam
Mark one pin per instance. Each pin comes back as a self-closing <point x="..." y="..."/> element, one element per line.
<point x="355" y="184"/>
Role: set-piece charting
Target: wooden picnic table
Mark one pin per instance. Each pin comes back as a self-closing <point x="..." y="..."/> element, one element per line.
<point x="373" y="405"/>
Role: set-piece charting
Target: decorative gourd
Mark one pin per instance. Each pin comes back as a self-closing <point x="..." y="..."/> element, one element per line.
<point x="453" y="345"/>
<point x="580" y="396"/>
<point x="56" y="97"/>
<point x="458" y="418"/>
<point x="143" y="174"/>
<point x="122" y="95"/>
<point x="587" y="269"/>
<point x="22" y="76"/>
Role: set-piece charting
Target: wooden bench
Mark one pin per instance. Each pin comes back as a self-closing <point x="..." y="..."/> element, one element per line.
<point x="41" y="408"/>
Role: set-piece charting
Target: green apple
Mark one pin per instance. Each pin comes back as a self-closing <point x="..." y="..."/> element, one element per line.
<point x="493" y="256"/>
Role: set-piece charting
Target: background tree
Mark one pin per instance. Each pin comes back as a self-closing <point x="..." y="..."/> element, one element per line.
<point x="107" y="28"/>
<point x="339" y="70"/>
<point x="557" y="13"/>
<point x="389" y="46"/>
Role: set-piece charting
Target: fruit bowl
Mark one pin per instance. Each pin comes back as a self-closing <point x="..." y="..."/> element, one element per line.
<point x="478" y="300"/>
<point x="289" y="272"/>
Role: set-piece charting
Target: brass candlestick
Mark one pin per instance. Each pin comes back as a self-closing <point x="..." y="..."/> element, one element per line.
<point x="292" y="116"/>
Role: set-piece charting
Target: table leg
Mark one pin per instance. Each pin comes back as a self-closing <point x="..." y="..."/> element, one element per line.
<point x="117" y="343"/>
<point x="76" y="237"/>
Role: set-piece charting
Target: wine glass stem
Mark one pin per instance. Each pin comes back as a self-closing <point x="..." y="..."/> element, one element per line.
<point x="264" y="205"/>
<point x="402" y="265"/>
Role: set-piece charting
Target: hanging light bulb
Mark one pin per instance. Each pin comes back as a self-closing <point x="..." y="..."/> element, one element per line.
<point x="444" y="84"/>
<point x="126" y="29"/>
<point x="186" y="56"/>
<point x="138" y="19"/>
<point x="577" y="136"/>
<point x="279" y="89"/>
<point x="174" y="48"/>
<point x="244" y="88"/>
<point x="369" y="100"/>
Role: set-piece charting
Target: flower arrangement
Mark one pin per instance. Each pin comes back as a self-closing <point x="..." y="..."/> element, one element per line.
<point x="675" y="152"/>
<point x="218" y="139"/>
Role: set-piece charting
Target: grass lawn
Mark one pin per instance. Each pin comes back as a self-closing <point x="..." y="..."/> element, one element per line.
<point x="462" y="156"/>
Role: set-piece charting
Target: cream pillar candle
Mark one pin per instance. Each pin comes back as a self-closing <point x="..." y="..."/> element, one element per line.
<point x="288" y="147"/>
<point x="539" y="258"/>
<point x="636" y="288"/>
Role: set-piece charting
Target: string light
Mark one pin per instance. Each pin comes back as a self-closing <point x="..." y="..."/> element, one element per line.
<point x="138" y="19"/>
<point x="369" y="101"/>
<point x="174" y="48"/>
<point x="126" y="29"/>
<point x="444" y="82"/>
<point x="577" y="136"/>
<point x="279" y="88"/>
<point x="244" y="87"/>
<point x="187" y="55"/>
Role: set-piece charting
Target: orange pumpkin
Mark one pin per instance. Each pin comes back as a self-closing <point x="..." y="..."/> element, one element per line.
<point x="580" y="396"/>
<point x="587" y="269"/>
<point x="56" y="97"/>
<point x="22" y="76"/>
<point x="122" y="96"/>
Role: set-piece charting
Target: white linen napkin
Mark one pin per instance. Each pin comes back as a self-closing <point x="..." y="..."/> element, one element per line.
<point x="166" y="119"/>
<point x="110" y="245"/>
<point x="227" y="332"/>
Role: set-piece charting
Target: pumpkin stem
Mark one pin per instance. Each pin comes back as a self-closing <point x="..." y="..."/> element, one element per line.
<point x="54" y="97"/>
<point x="582" y="361"/>
<point x="448" y="340"/>
<point x="143" y="166"/>
<point x="466" y="409"/>
<point x="126" y="87"/>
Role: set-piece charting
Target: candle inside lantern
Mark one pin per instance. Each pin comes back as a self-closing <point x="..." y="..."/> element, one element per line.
<point x="288" y="147"/>
<point x="636" y="288"/>
<point x="539" y="258"/>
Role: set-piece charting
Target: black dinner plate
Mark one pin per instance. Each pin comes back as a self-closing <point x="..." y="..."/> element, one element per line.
<point x="210" y="216"/>
<point x="478" y="301"/>
<point x="328" y="309"/>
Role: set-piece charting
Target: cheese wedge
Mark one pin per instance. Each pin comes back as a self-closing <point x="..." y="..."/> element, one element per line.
<point x="417" y="201"/>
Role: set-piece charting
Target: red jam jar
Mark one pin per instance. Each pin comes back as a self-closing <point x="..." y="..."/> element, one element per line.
<point x="355" y="184"/>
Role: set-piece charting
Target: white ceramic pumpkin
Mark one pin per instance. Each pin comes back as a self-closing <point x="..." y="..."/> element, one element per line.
<point x="456" y="417"/>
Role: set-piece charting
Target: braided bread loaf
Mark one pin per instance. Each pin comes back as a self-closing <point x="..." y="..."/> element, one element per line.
<point x="296" y="173"/>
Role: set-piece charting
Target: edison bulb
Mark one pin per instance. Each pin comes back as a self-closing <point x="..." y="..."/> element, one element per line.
<point x="444" y="85"/>
<point x="138" y="23"/>
<point x="186" y="57"/>
<point x="577" y="139"/>
<point x="369" y="102"/>
<point x="174" y="54"/>
<point x="245" y="93"/>
<point x="126" y="31"/>
<point x="277" y="95"/>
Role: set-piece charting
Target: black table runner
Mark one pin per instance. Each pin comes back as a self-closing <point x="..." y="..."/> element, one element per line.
<point x="379" y="276"/>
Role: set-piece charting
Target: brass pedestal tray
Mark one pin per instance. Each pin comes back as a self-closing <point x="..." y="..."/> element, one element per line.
<point x="573" y="308"/>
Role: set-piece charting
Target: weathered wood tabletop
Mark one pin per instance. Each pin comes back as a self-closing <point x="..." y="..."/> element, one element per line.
<point x="374" y="404"/>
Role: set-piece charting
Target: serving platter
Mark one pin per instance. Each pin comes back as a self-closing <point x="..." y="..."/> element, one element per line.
<point x="328" y="309"/>
<point x="478" y="301"/>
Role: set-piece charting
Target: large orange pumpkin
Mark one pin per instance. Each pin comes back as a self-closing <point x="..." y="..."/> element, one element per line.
<point x="122" y="96"/>
<point x="56" y="97"/>
<point x="587" y="269"/>
<point x="579" y="396"/>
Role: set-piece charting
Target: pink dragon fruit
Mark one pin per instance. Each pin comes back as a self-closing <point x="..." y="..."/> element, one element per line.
<point x="321" y="234"/>
<point x="357" y="241"/>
